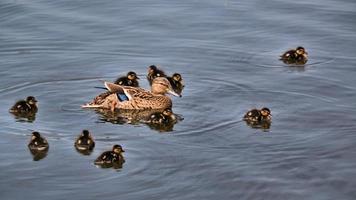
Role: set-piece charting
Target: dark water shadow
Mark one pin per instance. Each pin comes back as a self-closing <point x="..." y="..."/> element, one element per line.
<point x="136" y="117"/>
<point x="38" y="155"/>
<point x="24" y="117"/>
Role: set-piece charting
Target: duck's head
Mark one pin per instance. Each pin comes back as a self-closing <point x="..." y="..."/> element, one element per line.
<point x="117" y="149"/>
<point x="132" y="76"/>
<point x="301" y="51"/>
<point x="85" y="133"/>
<point x="161" y="85"/>
<point x="31" y="100"/>
<point x="265" y="112"/>
<point x="35" y="135"/>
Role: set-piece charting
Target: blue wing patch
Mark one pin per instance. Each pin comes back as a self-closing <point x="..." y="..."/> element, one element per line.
<point x="122" y="97"/>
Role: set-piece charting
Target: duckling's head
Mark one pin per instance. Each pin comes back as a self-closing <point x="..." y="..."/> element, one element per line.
<point x="31" y="100"/>
<point x="132" y="76"/>
<point x="177" y="77"/>
<point x="117" y="149"/>
<point x="152" y="69"/>
<point x="265" y="112"/>
<point x="85" y="133"/>
<point x="168" y="113"/>
<point x="35" y="135"/>
<point x="161" y="85"/>
<point x="300" y="50"/>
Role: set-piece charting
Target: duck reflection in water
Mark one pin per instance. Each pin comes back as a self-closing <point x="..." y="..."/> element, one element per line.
<point x="162" y="120"/>
<point x="260" y="119"/>
<point x="38" y="146"/>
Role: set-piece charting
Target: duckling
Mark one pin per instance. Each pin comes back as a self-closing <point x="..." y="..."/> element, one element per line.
<point x="295" y="56"/>
<point x="256" y="115"/>
<point x="84" y="142"/>
<point x="129" y="80"/>
<point x="165" y="117"/>
<point x="177" y="82"/>
<point x="110" y="158"/>
<point x="38" y="143"/>
<point x="154" y="72"/>
<point x="27" y="106"/>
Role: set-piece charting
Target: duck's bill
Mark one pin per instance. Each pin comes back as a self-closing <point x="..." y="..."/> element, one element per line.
<point x="174" y="93"/>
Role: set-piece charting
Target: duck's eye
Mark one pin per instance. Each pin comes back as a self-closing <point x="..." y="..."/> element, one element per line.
<point x="36" y="143"/>
<point x="158" y="74"/>
<point x="89" y="141"/>
<point x="79" y="141"/>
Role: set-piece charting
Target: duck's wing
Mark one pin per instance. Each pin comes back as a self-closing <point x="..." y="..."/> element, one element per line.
<point x="127" y="92"/>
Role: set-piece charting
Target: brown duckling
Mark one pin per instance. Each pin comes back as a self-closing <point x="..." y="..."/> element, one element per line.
<point x="84" y="142"/>
<point x="177" y="82"/>
<point x="154" y="72"/>
<point x="165" y="117"/>
<point x="38" y="143"/>
<point x="110" y="158"/>
<point x="295" y="56"/>
<point x="27" y="106"/>
<point x="256" y="115"/>
<point x="129" y="80"/>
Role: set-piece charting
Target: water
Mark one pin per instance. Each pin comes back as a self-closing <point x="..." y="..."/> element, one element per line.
<point x="227" y="54"/>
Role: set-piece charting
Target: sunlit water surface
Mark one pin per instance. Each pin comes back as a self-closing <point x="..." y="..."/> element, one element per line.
<point x="227" y="52"/>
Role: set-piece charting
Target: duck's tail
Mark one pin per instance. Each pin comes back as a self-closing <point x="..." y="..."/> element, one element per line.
<point x="88" y="105"/>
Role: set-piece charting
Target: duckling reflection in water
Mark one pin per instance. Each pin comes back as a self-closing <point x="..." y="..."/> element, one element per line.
<point x="113" y="158"/>
<point x="25" y="108"/>
<point x="154" y="72"/>
<point x="130" y="79"/>
<point x="259" y="118"/>
<point x="177" y="82"/>
<point x="38" y="146"/>
<point x="296" y="56"/>
<point x="84" y="144"/>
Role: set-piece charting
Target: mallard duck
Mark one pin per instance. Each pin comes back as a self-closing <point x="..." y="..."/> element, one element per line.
<point x="131" y="98"/>
<point x="109" y="158"/>
<point x="84" y="142"/>
<point x="165" y="117"/>
<point x="154" y="72"/>
<point x="129" y="80"/>
<point x="177" y="82"/>
<point x="38" y="143"/>
<point x="295" y="56"/>
<point x="27" y="106"/>
<point x="256" y="115"/>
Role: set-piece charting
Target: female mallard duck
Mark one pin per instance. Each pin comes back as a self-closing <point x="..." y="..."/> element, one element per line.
<point x="84" y="142"/>
<point x="295" y="56"/>
<point x="109" y="158"/>
<point x="131" y="98"/>
<point x="38" y="143"/>
<point x="154" y="72"/>
<point x="177" y="82"/>
<point x="27" y="106"/>
<point x="257" y="116"/>
<point x="129" y="80"/>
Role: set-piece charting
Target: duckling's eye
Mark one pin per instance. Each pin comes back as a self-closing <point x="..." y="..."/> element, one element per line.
<point x="104" y="156"/>
<point x="158" y="74"/>
<point x="79" y="141"/>
<point x="89" y="141"/>
<point x="36" y="143"/>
